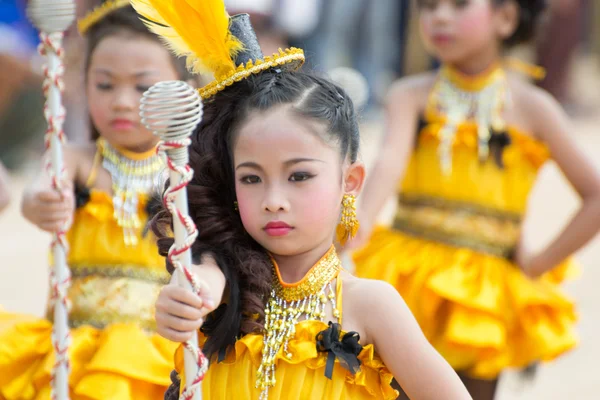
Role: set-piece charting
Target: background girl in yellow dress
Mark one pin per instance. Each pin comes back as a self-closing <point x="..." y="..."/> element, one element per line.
<point x="117" y="272"/>
<point x="455" y="251"/>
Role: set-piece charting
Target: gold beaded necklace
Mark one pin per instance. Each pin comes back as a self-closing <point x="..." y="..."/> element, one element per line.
<point x="133" y="175"/>
<point x="290" y="303"/>
<point x="481" y="99"/>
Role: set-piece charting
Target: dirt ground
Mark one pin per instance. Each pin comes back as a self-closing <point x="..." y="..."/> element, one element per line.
<point x="23" y="269"/>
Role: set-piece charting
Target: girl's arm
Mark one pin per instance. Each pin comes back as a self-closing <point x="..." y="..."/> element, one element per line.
<point x="4" y="188"/>
<point x="421" y="372"/>
<point x="401" y="118"/>
<point x="553" y="127"/>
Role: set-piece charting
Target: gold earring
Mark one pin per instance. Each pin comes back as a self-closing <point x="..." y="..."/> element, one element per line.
<point x="348" y="226"/>
<point x="235" y="206"/>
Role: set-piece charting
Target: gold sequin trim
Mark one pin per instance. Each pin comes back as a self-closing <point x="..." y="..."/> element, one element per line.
<point x="324" y="271"/>
<point x="459" y="225"/>
<point x="138" y="272"/>
<point x="458" y="206"/>
<point x="101" y="321"/>
<point x="292" y="56"/>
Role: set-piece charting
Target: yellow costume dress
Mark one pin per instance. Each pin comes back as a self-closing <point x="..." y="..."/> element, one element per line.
<point x="313" y="360"/>
<point x="114" y="353"/>
<point x="459" y="215"/>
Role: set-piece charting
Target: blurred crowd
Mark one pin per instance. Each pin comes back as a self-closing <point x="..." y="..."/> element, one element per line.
<point x="377" y="37"/>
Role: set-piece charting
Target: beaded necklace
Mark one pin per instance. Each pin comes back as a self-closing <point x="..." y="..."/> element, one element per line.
<point x="290" y="303"/>
<point x="481" y="99"/>
<point x="133" y="175"/>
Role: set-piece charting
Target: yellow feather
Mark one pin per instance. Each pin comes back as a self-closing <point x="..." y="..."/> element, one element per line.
<point x="196" y="29"/>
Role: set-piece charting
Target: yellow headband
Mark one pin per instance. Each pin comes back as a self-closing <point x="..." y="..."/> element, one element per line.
<point x="92" y="18"/>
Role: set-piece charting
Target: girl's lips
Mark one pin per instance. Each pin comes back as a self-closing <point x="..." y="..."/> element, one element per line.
<point x="441" y="38"/>
<point x="277" y="228"/>
<point x="122" y="124"/>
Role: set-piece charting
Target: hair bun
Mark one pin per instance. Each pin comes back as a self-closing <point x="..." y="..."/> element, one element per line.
<point x="353" y="83"/>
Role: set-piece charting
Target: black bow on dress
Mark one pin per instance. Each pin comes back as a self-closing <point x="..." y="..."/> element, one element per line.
<point x="345" y="349"/>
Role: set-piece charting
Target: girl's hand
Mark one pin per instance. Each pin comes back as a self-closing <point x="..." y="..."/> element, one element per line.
<point x="532" y="265"/>
<point x="179" y="312"/>
<point x="48" y="209"/>
<point x="535" y="266"/>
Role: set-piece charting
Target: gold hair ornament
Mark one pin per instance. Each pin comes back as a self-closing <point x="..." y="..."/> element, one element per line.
<point x="98" y="13"/>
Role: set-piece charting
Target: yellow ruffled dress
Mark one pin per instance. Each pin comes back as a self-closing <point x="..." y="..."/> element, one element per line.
<point x="449" y="253"/>
<point x="300" y="372"/>
<point x="114" y="353"/>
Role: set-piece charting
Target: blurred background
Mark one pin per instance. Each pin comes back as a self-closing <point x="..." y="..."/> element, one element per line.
<point x="380" y="39"/>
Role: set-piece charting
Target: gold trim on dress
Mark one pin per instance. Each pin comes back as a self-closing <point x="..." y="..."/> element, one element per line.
<point x="139" y="272"/>
<point x="453" y="205"/>
<point x="102" y="320"/>
<point x="103" y="295"/>
<point x="460" y="225"/>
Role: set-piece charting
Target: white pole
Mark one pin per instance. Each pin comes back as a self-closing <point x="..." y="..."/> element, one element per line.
<point x="52" y="18"/>
<point x="172" y="110"/>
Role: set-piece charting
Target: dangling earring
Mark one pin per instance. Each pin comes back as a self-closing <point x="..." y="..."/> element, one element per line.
<point x="235" y="206"/>
<point x="348" y="225"/>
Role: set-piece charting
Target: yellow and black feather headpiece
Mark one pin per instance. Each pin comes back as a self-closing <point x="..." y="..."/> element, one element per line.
<point x="212" y="42"/>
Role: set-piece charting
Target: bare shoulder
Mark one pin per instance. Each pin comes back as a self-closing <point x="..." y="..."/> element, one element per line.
<point x="414" y="87"/>
<point x="371" y="306"/>
<point x="529" y="96"/>
<point x="368" y="290"/>
<point x="369" y="300"/>
<point x="79" y="159"/>
<point x="533" y="104"/>
<point x="81" y="150"/>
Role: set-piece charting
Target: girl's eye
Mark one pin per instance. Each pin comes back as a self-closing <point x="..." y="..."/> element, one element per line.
<point x="300" y="176"/>
<point x="142" y="88"/>
<point x="461" y="3"/>
<point x="104" y="86"/>
<point x="250" y="179"/>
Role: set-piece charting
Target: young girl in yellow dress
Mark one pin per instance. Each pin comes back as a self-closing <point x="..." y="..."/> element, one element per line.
<point x="117" y="272"/>
<point x="275" y="161"/>
<point x="454" y="251"/>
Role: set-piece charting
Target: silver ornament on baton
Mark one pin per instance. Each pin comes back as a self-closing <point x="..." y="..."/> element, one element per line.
<point x="172" y="110"/>
<point x="52" y="18"/>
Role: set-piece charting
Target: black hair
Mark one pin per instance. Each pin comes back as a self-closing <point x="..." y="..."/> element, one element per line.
<point x="529" y="15"/>
<point x="211" y="193"/>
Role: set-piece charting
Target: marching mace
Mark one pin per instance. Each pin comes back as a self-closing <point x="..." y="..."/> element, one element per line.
<point x="172" y="110"/>
<point x="52" y="18"/>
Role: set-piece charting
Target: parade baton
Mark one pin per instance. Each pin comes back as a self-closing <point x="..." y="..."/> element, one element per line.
<point x="172" y="110"/>
<point x="52" y="18"/>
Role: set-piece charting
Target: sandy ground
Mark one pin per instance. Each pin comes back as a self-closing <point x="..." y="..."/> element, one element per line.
<point x="23" y="270"/>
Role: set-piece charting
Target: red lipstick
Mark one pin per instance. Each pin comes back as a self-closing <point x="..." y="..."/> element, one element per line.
<point x="277" y="228"/>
